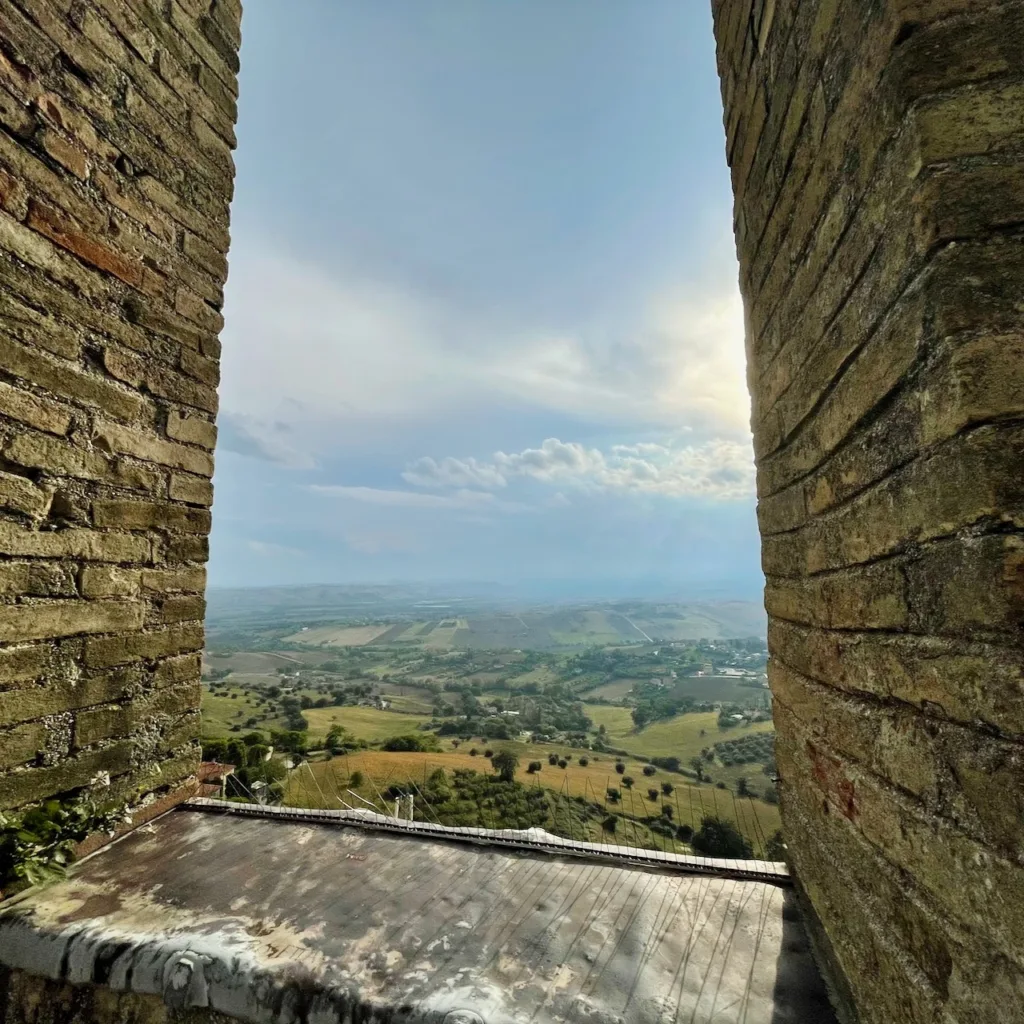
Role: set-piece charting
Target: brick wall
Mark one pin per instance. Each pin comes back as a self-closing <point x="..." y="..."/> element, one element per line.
<point x="116" y="130"/>
<point x="875" y="148"/>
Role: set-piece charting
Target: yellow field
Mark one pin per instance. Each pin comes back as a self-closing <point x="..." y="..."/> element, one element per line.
<point x="683" y="736"/>
<point x="690" y="802"/>
<point x="364" y="723"/>
<point x="338" y="636"/>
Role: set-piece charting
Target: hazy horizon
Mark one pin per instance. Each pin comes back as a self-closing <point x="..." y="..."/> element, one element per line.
<point x="482" y="318"/>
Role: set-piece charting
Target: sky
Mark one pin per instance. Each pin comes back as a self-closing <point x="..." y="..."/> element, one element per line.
<point x="482" y="319"/>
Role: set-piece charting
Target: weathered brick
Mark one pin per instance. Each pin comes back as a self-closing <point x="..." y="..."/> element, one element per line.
<point x="25" y="787"/>
<point x="36" y="579"/>
<point x="158" y="643"/>
<point x="21" y="743"/>
<point x="112" y="720"/>
<point x="191" y="430"/>
<point x="109" y="581"/>
<point x="43" y="414"/>
<point x="192" y="489"/>
<point x="19" y="494"/>
<point x="182" y="608"/>
<point x="67" y="618"/>
<point x="191" y="580"/>
<point x="23" y="664"/>
<point x="91" y="545"/>
<point x="147" y="515"/>
<point x="115" y="179"/>
<point x="133" y="441"/>
<point x="68" y="381"/>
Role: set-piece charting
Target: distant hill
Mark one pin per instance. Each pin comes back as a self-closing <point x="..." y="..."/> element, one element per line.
<point x="474" y="616"/>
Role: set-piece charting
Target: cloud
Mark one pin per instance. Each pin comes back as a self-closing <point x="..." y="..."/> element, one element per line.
<point x="317" y="358"/>
<point x="720" y="469"/>
<point x="258" y="439"/>
<point x="462" y="499"/>
<point x="451" y="472"/>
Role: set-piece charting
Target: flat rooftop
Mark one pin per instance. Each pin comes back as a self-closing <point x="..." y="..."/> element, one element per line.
<point x="274" y="921"/>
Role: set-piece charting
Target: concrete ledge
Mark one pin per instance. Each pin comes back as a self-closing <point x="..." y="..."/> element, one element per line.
<point x="281" y="922"/>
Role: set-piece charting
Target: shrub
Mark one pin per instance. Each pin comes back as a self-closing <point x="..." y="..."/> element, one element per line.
<point x="652" y="793"/>
<point x="627" y="781"/>
<point x="649" y="769"/>
<point x="488" y="753"/>
<point x="719" y="838"/>
<point x="620" y="767"/>
<point x="684" y="833"/>
<point x="584" y="762"/>
<point x="667" y="788"/>
<point x="355" y="779"/>
<point x="563" y="763"/>
<point x="610" y="824"/>
<point x="552" y="759"/>
<point x="473" y="752"/>
<point x="718" y="785"/>
<point x="534" y="767"/>
<point x="667" y="811"/>
<point x="614" y="795"/>
<point x="412" y="742"/>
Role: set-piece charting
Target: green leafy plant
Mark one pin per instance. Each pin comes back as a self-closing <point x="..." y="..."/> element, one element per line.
<point x="39" y="845"/>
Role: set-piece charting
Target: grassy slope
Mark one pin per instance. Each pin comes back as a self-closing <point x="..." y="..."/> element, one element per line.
<point x="380" y="769"/>
<point x="364" y="723"/>
<point x="673" y="737"/>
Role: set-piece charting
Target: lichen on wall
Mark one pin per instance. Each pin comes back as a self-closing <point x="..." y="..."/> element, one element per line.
<point x="116" y="131"/>
<point x="875" y="148"/>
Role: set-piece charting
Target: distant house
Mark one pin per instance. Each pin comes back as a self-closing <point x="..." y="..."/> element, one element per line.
<point x="511" y="714"/>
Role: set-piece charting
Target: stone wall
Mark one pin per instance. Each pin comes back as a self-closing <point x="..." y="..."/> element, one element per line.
<point x="875" y="148"/>
<point x="116" y="130"/>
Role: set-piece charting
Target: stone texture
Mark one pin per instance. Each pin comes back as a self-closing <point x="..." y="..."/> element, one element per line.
<point x="875" y="150"/>
<point x="116" y="131"/>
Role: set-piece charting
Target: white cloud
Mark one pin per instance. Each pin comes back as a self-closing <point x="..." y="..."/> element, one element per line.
<point x="315" y="360"/>
<point x="462" y="499"/>
<point x="721" y="469"/>
<point x="451" y="472"/>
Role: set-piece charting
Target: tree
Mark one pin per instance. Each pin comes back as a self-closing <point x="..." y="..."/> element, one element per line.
<point x="684" y="833"/>
<point x="719" y="838"/>
<point x="620" y="767"/>
<point x="649" y="769"/>
<point x="742" y="789"/>
<point x="613" y="795"/>
<point x="584" y="762"/>
<point x="506" y="764"/>
<point x="697" y="764"/>
<point x="534" y="767"/>
<point x="552" y="759"/>
<point x="652" y="793"/>
<point x="627" y="781"/>
<point x="563" y="763"/>
<point x="488" y="753"/>
<point x="667" y="788"/>
<point x="355" y="780"/>
<point x="610" y="824"/>
<point x="666" y="810"/>
<point x="473" y="752"/>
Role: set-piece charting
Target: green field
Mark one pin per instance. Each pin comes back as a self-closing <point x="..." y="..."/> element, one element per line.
<point x="613" y="691"/>
<point x="221" y="713"/>
<point x="672" y="737"/>
<point x="369" y="724"/>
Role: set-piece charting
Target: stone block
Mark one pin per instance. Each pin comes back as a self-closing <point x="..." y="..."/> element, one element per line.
<point x="67" y="618"/>
<point x="191" y="430"/>
<point x="21" y="744"/>
<point x="158" y="643"/>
